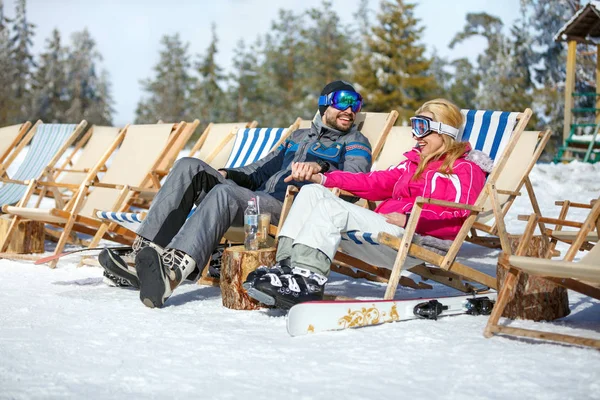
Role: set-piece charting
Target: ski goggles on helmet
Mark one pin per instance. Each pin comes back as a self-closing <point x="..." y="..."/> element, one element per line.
<point x="423" y="126"/>
<point x="341" y="100"/>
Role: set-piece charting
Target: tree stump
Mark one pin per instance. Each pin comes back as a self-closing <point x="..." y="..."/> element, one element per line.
<point x="535" y="298"/>
<point x="237" y="263"/>
<point x="27" y="238"/>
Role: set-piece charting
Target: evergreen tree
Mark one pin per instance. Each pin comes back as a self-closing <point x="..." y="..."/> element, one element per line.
<point x="168" y="91"/>
<point x="246" y="99"/>
<point x="281" y="72"/>
<point x="23" y="59"/>
<point x="328" y="53"/>
<point x="84" y="86"/>
<point x="8" y="113"/>
<point x="396" y="75"/>
<point x="49" y="84"/>
<point x="439" y="70"/>
<point x="463" y="88"/>
<point x="207" y="96"/>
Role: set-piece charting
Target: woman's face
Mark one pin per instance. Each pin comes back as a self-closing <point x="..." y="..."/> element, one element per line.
<point x="430" y="143"/>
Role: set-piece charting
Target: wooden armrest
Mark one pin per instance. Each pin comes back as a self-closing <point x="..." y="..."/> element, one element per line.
<point x="82" y="171"/>
<point x="553" y="221"/>
<point x="444" y="203"/>
<point x="107" y="185"/>
<point x="576" y="205"/>
<point x="161" y="172"/>
<point x="144" y="190"/>
<point x="72" y="186"/>
<point x="508" y="192"/>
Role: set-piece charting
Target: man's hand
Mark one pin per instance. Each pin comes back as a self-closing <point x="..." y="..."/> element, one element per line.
<point x="396" y="219"/>
<point x="223" y="173"/>
<point x="305" y="171"/>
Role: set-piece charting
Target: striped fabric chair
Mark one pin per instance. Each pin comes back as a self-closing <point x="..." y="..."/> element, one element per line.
<point x="495" y="133"/>
<point x="10" y="136"/>
<point x="251" y="144"/>
<point x="48" y="144"/>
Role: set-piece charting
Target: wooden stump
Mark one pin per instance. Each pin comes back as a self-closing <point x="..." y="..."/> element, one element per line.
<point x="236" y="265"/>
<point x="535" y="298"/>
<point x="27" y="238"/>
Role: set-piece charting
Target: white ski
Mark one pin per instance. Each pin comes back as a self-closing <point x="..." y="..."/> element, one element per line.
<point x="320" y="316"/>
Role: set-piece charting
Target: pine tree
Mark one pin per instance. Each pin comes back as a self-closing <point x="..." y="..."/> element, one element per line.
<point x="23" y="59"/>
<point x="281" y="72"/>
<point x="246" y="98"/>
<point x="168" y="91"/>
<point x="84" y="87"/>
<point x="8" y="111"/>
<point x="397" y="74"/>
<point x="463" y="88"/>
<point x="328" y="51"/>
<point x="50" y="99"/>
<point x="208" y="100"/>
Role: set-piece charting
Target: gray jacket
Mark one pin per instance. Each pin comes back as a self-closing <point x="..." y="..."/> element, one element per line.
<point x="347" y="151"/>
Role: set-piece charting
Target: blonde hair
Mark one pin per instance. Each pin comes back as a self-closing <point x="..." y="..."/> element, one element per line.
<point x="448" y="113"/>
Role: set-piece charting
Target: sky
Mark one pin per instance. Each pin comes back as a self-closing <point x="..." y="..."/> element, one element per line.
<point x="128" y="32"/>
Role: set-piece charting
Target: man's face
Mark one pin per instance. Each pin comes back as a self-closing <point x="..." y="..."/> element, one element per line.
<point x="340" y="120"/>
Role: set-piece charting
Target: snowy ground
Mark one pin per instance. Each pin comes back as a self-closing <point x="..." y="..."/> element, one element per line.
<point x="64" y="334"/>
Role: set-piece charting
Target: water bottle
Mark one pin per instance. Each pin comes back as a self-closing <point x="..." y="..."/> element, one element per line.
<point x="251" y="226"/>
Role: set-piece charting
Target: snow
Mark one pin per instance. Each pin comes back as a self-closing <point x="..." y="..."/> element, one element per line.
<point x="64" y="334"/>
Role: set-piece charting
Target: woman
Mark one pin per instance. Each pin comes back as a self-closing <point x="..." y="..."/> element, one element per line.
<point x="438" y="167"/>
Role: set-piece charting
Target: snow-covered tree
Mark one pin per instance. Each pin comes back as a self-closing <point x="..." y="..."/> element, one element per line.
<point x="22" y="41"/>
<point x="168" y="90"/>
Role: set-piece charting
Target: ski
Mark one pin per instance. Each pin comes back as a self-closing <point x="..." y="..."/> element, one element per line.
<point x="320" y="316"/>
<point x="119" y="249"/>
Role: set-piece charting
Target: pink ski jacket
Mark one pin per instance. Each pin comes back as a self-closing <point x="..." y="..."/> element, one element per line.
<point x="398" y="192"/>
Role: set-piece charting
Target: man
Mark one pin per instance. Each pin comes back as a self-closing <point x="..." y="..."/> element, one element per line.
<point x="170" y="246"/>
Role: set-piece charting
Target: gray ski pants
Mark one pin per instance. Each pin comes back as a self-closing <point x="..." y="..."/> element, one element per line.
<point x="220" y="204"/>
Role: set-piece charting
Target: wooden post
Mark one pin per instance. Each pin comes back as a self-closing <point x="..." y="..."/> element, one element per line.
<point x="569" y="88"/>
<point x="237" y="264"/>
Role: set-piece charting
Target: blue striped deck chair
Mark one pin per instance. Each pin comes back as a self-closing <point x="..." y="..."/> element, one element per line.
<point x="10" y="136"/>
<point x="495" y="133"/>
<point x="251" y="144"/>
<point x="48" y="144"/>
<point x="141" y="150"/>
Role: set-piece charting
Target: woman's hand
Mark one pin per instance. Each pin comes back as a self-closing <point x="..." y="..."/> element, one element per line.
<point x="396" y="219"/>
<point x="305" y="171"/>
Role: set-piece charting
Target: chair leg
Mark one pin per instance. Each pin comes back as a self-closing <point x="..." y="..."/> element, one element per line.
<point x="504" y="297"/>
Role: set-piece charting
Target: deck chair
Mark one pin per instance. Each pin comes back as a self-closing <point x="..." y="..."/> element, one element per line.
<point x="48" y="143"/>
<point x="582" y="276"/>
<point x="250" y="145"/>
<point x="142" y="149"/>
<point x="91" y="147"/>
<point x="497" y="137"/>
<point x="10" y="136"/>
<point x="509" y="184"/>
<point x="214" y="144"/>
<point x="169" y="159"/>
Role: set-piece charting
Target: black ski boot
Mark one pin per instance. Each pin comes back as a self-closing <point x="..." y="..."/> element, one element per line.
<point x="117" y="271"/>
<point x="280" y="268"/>
<point x="159" y="274"/>
<point x="287" y="290"/>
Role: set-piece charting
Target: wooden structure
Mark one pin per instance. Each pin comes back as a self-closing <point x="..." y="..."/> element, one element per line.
<point x="236" y="265"/>
<point x="582" y="28"/>
<point x="27" y="236"/>
<point x="582" y="276"/>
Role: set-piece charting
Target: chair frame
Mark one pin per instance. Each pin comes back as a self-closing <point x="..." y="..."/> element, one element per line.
<point x="507" y="292"/>
<point x="70" y="212"/>
<point x="14" y="148"/>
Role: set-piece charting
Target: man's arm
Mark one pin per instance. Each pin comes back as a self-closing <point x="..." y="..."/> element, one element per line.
<point x="357" y="155"/>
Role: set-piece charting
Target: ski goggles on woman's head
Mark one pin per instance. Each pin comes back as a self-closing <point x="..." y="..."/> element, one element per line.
<point x="423" y="126"/>
<point x="341" y="100"/>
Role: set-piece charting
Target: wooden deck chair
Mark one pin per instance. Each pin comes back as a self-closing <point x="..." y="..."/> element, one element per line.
<point x="497" y="137"/>
<point x="582" y="276"/>
<point x="215" y="138"/>
<point x="509" y="184"/>
<point x="142" y="149"/>
<point x="250" y="145"/>
<point x="75" y="167"/>
<point x="568" y="236"/>
<point x="167" y="163"/>
<point x="10" y="136"/>
<point x="48" y="143"/>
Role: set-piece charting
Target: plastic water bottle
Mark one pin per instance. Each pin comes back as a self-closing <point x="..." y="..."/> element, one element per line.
<point x="251" y="226"/>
